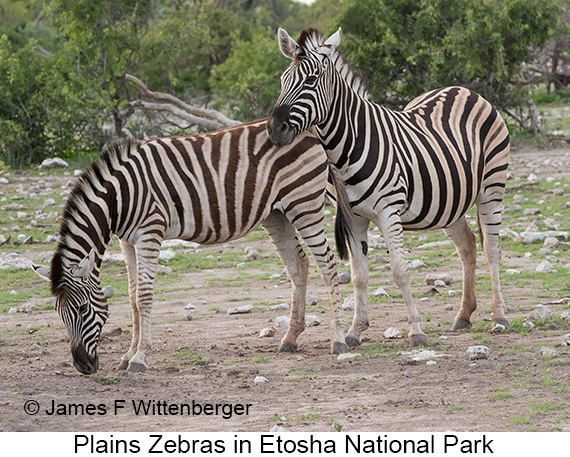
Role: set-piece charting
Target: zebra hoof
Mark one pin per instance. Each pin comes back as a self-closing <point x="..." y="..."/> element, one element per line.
<point x="123" y="365"/>
<point x="460" y="324"/>
<point x="287" y="347"/>
<point x="339" y="348"/>
<point x="501" y="321"/>
<point x="419" y="339"/>
<point x="137" y="367"/>
<point x="352" y="341"/>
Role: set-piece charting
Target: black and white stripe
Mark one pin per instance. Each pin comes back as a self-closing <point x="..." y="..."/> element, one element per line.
<point x="207" y="188"/>
<point x="420" y="168"/>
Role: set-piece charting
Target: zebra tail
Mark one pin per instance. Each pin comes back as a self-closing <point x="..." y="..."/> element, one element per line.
<point x="343" y="222"/>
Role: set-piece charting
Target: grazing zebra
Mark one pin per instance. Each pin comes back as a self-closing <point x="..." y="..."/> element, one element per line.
<point x="420" y="168"/>
<point x="207" y="188"/>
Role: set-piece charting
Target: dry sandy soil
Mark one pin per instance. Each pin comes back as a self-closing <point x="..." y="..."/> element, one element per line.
<point x="515" y="389"/>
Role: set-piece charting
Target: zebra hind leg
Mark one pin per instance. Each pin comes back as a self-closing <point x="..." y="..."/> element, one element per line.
<point x="296" y="263"/>
<point x="464" y="240"/>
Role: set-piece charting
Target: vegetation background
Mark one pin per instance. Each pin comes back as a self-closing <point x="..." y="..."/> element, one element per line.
<point x="63" y="62"/>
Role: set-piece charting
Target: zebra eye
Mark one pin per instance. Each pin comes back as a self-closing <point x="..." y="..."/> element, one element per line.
<point x="83" y="308"/>
<point x="311" y="80"/>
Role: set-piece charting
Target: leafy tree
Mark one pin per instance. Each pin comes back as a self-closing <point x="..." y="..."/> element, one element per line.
<point x="406" y="47"/>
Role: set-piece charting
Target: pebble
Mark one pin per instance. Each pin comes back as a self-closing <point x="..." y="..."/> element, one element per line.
<point x="416" y="264"/>
<point x="108" y="291"/>
<point x="392" y="333"/>
<point x="380" y="292"/>
<point x="311" y="300"/>
<point x="544" y="267"/>
<point x="541" y="312"/>
<point x="439" y="283"/>
<point x="312" y="320"/>
<point x="379" y="258"/>
<point x="344" y="278"/>
<point x="241" y="309"/>
<point x="260" y="379"/>
<point x="513" y="271"/>
<point x="548" y="352"/>
<point x="348" y="303"/>
<point x="189" y="306"/>
<point x="206" y="360"/>
<point x="544" y="251"/>
<point x="349" y="356"/>
<point x="551" y="242"/>
<point x="408" y="373"/>
<point x="448" y="307"/>
<point x="267" y="332"/>
<point x="498" y="328"/>
<point x="253" y="255"/>
<point x="282" y="321"/>
<point x="275" y="276"/>
<point x="27" y="307"/>
<point x="431" y="278"/>
<point x="281" y="307"/>
<point x="278" y="429"/>
<point x="13" y="311"/>
<point x="454" y="293"/>
<point x="478" y="352"/>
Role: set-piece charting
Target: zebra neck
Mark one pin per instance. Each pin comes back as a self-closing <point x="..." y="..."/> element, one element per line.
<point x="343" y="133"/>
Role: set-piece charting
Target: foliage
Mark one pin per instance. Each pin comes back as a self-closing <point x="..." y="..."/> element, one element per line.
<point x="406" y="47"/>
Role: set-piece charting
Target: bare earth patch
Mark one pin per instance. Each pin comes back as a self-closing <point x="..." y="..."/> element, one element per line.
<point x="384" y="390"/>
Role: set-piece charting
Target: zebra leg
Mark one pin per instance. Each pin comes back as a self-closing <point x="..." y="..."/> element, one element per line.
<point x="296" y="263"/>
<point x="147" y="266"/>
<point x="464" y="240"/>
<point x="131" y="260"/>
<point x="489" y="213"/>
<point x="391" y="227"/>
<point x="359" y="273"/>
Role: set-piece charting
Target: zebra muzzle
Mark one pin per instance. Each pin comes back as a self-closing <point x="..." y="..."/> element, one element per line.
<point x="83" y="362"/>
<point x="278" y="128"/>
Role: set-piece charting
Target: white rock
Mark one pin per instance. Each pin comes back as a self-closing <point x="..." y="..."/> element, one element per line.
<point x="379" y="258"/>
<point x="431" y="362"/>
<point x="311" y="300"/>
<point x="532" y="237"/>
<point x="13" y="311"/>
<point x="498" y="328"/>
<point x="380" y="292"/>
<point x="312" y="320"/>
<point x="4" y="181"/>
<point x="348" y="303"/>
<point x="544" y="267"/>
<point x="548" y="352"/>
<point x="278" y="429"/>
<point x="54" y="162"/>
<point x="508" y="233"/>
<point x="166" y="255"/>
<point x="27" y="307"/>
<point x="348" y="356"/>
<point x="431" y="278"/>
<point x="551" y="242"/>
<point x="512" y="271"/>
<point x="435" y="244"/>
<point x="478" y="352"/>
<point x="189" y="306"/>
<point x="108" y="291"/>
<point x="541" y="312"/>
<point x="439" y="283"/>
<point x="275" y="276"/>
<point x="281" y="307"/>
<point x="241" y="309"/>
<point x="344" y="278"/>
<point x="565" y="315"/>
<point x="415" y="264"/>
<point x="253" y="255"/>
<point x="260" y="379"/>
<point x="267" y="332"/>
<point x="518" y="198"/>
<point x="393" y="333"/>
<point x="422" y="354"/>
<point x="454" y="293"/>
<point x="528" y="324"/>
<point x="77" y="173"/>
<point x="532" y="178"/>
<point x="282" y="321"/>
<point x="375" y="241"/>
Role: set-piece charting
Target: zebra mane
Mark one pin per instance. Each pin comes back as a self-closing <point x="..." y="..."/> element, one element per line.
<point x="111" y="155"/>
<point x="309" y="41"/>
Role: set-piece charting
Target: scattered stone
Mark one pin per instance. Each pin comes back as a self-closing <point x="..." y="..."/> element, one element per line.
<point x="376" y="242"/>
<point x="281" y="307"/>
<point x="415" y="264"/>
<point x="312" y="320"/>
<point x="498" y="328"/>
<point x="379" y="258"/>
<point x="435" y="244"/>
<point x="253" y="255"/>
<point x="344" y="278"/>
<point x="518" y="198"/>
<point x="241" y="309"/>
<point x="528" y="324"/>
<point x="408" y="373"/>
<point x="511" y="208"/>
<point x="532" y="212"/>
<point x="380" y="292"/>
<point x="454" y="293"/>
<point x="241" y="265"/>
<point x="431" y="362"/>
<point x="448" y="307"/>
<point x="188" y="317"/>
<point x="545" y="267"/>
<point x="267" y="332"/>
<point x="108" y="291"/>
<point x="348" y="303"/>
<point x="164" y="270"/>
<point x="349" y="356"/>
<point x="3" y="180"/>
<point x="553" y="326"/>
<point x="54" y="162"/>
<point x="551" y="242"/>
<point x="529" y="237"/>
<point x="278" y="429"/>
<point x="13" y="311"/>
<point x="431" y="278"/>
<point x="275" y="276"/>
<point x="206" y="360"/>
<point x="548" y="352"/>
<point x="392" y="333"/>
<point x="512" y="271"/>
<point x="544" y="251"/>
<point x="478" y="352"/>
<point x="565" y="315"/>
<point x="166" y="255"/>
<point x="508" y="233"/>
<point x="189" y="306"/>
<point x="540" y="313"/>
<point x="260" y="379"/>
<point x="439" y="283"/>
<point x="532" y="178"/>
<point x="311" y="300"/>
<point x="282" y="321"/>
<point x="27" y="307"/>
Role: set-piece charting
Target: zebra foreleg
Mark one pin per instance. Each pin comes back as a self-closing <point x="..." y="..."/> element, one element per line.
<point x="464" y="240"/>
<point x="296" y="263"/>
<point x="391" y="227"/>
<point x="131" y="261"/>
<point x="359" y="273"/>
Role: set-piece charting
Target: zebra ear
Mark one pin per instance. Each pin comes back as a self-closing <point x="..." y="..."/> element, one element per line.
<point x="288" y="46"/>
<point x="331" y="43"/>
<point x="84" y="268"/>
<point x="42" y="271"/>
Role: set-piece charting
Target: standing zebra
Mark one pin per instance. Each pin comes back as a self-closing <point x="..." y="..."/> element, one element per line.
<point x="208" y="188"/>
<point x="421" y="168"/>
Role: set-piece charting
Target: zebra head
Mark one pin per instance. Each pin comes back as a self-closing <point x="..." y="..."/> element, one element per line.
<point x="306" y="85"/>
<point x="81" y="304"/>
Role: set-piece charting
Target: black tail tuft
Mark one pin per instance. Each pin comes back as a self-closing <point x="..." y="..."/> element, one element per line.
<point x="343" y="223"/>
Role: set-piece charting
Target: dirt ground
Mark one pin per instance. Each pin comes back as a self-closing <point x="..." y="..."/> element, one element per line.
<point x="310" y="390"/>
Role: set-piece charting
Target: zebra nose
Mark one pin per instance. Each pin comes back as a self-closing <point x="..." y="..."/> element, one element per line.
<point x="278" y="126"/>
